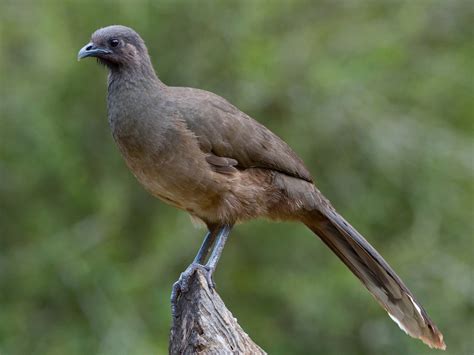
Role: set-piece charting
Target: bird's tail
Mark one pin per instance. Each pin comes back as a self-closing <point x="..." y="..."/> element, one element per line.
<point x="376" y="275"/>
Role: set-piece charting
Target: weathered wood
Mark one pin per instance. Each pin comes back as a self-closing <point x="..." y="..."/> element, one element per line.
<point x="203" y="324"/>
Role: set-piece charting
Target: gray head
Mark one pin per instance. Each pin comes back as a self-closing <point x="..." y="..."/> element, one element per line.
<point x="116" y="46"/>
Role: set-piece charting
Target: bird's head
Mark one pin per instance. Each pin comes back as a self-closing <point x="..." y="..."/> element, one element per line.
<point x="115" y="46"/>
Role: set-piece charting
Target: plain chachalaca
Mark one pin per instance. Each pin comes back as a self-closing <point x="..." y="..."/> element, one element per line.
<point x="197" y="152"/>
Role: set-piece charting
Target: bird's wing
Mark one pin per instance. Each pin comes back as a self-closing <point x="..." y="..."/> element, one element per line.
<point x="224" y="131"/>
<point x="221" y="164"/>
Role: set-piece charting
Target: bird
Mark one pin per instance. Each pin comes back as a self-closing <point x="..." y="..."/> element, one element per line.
<point x="196" y="151"/>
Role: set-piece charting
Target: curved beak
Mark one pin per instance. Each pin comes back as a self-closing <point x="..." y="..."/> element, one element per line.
<point x="91" y="50"/>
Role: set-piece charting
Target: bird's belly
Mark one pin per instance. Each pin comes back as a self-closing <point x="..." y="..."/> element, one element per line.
<point x="176" y="176"/>
<point x="184" y="186"/>
<point x="158" y="188"/>
<point x="185" y="180"/>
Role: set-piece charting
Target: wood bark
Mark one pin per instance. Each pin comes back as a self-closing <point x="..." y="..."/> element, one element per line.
<point x="203" y="324"/>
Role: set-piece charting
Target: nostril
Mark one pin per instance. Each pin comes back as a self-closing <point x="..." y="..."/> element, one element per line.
<point x="89" y="47"/>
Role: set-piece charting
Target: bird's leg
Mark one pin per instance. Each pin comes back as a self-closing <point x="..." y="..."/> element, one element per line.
<point x="206" y="246"/>
<point x="224" y="232"/>
<point x="182" y="285"/>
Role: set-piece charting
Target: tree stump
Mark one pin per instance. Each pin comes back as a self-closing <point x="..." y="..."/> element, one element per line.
<point x="203" y="324"/>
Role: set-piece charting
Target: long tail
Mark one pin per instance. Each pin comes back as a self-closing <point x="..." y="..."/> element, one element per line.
<point x="376" y="275"/>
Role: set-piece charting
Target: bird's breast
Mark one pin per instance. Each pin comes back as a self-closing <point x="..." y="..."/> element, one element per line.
<point x="167" y="162"/>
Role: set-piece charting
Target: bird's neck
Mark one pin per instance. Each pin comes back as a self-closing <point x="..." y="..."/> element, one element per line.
<point x="131" y="90"/>
<point x="139" y="76"/>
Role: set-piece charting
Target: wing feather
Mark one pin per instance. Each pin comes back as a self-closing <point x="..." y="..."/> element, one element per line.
<point x="225" y="131"/>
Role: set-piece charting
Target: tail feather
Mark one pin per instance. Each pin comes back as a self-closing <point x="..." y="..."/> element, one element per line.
<point x="376" y="275"/>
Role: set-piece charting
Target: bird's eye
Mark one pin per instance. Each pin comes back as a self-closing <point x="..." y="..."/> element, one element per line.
<point x="114" y="42"/>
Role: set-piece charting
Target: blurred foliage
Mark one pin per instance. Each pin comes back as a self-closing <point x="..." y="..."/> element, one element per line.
<point x="376" y="96"/>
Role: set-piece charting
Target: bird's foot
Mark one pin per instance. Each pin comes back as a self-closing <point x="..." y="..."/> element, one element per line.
<point x="182" y="285"/>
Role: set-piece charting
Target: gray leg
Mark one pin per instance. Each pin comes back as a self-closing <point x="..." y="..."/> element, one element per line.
<point x="218" y="247"/>
<point x="182" y="285"/>
<point x="205" y="247"/>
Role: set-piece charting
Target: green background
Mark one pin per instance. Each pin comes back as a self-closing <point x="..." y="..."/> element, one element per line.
<point x="377" y="97"/>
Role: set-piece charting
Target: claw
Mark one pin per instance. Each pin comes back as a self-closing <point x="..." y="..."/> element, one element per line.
<point x="182" y="285"/>
<point x="209" y="279"/>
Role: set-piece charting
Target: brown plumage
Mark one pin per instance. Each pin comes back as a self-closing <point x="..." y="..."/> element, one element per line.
<point x="196" y="151"/>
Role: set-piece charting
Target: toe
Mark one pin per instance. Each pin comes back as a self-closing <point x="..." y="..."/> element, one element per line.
<point x="209" y="279"/>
